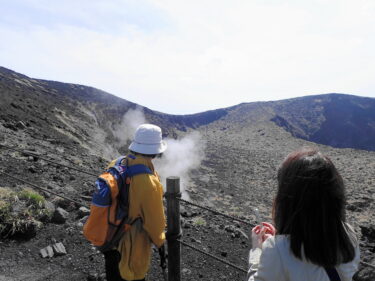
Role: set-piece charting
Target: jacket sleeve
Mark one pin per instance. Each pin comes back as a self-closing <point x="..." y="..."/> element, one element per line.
<point x="153" y="212"/>
<point x="265" y="264"/>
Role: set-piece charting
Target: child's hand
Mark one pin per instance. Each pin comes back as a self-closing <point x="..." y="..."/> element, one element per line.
<point x="260" y="233"/>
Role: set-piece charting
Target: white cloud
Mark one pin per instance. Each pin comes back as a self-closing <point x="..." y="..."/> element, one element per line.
<point x="189" y="56"/>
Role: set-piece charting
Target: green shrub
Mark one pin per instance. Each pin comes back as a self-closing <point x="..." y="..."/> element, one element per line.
<point x="5" y="210"/>
<point x="21" y="212"/>
<point x="33" y="198"/>
<point x="199" y="221"/>
<point x="6" y="193"/>
<point x="6" y="198"/>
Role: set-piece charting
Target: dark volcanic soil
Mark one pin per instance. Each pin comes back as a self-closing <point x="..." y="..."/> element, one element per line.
<point x="242" y="152"/>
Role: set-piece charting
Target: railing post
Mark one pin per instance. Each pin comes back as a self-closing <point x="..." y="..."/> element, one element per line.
<point x="173" y="228"/>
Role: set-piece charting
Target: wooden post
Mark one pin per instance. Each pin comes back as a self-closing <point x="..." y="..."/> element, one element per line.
<point x="173" y="228"/>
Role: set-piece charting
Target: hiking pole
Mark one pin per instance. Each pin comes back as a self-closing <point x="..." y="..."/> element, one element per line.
<point x="163" y="263"/>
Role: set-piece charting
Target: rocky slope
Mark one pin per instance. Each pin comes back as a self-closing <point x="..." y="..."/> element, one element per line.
<point x="337" y="120"/>
<point x="243" y="145"/>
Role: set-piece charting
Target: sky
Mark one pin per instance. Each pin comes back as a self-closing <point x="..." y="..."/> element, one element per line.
<point x="183" y="57"/>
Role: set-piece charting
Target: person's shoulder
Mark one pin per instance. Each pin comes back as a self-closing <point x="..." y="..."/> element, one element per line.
<point x="278" y="243"/>
<point x="144" y="177"/>
<point x="147" y="181"/>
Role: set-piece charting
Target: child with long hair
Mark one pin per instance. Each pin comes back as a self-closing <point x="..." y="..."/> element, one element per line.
<point x="311" y="239"/>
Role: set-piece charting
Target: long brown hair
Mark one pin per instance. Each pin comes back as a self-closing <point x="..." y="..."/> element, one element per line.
<point x="310" y="208"/>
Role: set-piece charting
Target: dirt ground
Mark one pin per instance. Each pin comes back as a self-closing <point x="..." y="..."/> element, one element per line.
<point x="241" y="150"/>
<point x="235" y="190"/>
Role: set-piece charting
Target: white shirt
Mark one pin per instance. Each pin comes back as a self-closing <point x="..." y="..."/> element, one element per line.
<point x="276" y="262"/>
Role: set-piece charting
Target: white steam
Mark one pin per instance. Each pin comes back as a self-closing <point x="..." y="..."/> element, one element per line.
<point x="124" y="131"/>
<point x="108" y="152"/>
<point x="180" y="158"/>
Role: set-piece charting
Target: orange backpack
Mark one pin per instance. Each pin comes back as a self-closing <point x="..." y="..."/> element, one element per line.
<point x="108" y="220"/>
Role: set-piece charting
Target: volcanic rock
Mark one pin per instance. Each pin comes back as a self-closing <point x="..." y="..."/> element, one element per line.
<point x="60" y="216"/>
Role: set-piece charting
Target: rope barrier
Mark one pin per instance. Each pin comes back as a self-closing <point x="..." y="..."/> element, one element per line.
<point x="47" y="160"/>
<point x="182" y="242"/>
<point x="46" y="190"/>
<point x="212" y="256"/>
<point x="181" y="200"/>
<point x="367" y="264"/>
<point x="235" y="219"/>
<point x="216" y="212"/>
<point x="235" y="266"/>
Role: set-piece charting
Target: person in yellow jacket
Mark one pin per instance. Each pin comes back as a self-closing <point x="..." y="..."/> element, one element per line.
<point x="131" y="260"/>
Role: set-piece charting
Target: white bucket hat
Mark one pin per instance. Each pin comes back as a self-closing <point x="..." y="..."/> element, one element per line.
<point x="148" y="140"/>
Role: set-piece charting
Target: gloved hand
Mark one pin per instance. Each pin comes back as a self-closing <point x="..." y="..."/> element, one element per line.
<point x="260" y="233"/>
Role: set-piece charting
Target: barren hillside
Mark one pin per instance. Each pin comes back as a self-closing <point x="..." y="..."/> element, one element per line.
<point x="242" y="147"/>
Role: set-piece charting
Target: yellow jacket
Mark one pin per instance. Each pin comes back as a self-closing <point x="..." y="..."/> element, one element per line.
<point x="146" y="202"/>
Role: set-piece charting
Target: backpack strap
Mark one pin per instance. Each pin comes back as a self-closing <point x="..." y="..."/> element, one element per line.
<point x="332" y="274"/>
<point x="119" y="160"/>
<point x="138" y="169"/>
<point x="118" y="166"/>
<point x="122" y="173"/>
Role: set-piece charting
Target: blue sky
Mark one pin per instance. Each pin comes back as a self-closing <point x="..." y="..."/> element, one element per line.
<point x="183" y="57"/>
